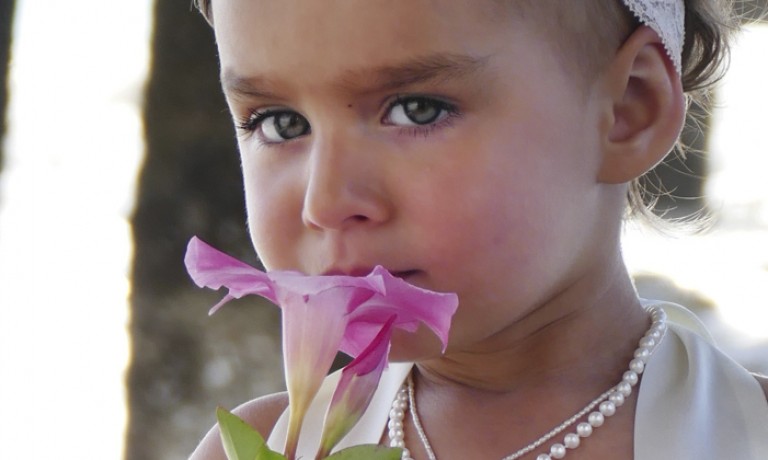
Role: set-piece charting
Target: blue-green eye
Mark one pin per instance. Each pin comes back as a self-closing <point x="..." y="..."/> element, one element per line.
<point x="276" y="126"/>
<point x="417" y="111"/>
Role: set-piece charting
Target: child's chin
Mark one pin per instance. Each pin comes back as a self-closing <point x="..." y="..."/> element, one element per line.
<point x="412" y="347"/>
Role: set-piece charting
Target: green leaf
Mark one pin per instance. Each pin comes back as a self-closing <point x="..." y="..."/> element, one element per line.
<point x="265" y="453"/>
<point x="368" y="452"/>
<point x="240" y="440"/>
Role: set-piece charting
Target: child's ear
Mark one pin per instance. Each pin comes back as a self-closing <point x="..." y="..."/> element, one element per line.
<point x="647" y="108"/>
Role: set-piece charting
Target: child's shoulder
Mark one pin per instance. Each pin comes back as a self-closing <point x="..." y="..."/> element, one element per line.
<point x="261" y="413"/>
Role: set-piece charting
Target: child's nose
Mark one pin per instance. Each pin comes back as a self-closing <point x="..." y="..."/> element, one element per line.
<point x="345" y="186"/>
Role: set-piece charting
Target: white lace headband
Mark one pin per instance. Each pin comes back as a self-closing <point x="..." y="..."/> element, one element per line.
<point x="666" y="18"/>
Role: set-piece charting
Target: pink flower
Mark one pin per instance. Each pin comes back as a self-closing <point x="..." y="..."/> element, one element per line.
<point x="324" y="314"/>
<point x="355" y="389"/>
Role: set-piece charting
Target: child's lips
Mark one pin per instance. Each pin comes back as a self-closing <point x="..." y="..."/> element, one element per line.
<point x="348" y="272"/>
<point x="364" y="271"/>
<point x="405" y="274"/>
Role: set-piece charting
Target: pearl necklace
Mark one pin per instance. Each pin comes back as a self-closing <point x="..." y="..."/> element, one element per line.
<point x="606" y="404"/>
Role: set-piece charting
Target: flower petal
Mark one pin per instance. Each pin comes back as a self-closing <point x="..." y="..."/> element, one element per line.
<point x="297" y="282"/>
<point x="411" y="304"/>
<point x="213" y="269"/>
<point x="313" y="326"/>
<point x="353" y="394"/>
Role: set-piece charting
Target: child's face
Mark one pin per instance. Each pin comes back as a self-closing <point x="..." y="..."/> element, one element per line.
<point x="442" y="140"/>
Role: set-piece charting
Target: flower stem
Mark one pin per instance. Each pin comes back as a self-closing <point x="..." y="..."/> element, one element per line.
<point x="295" y="420"/>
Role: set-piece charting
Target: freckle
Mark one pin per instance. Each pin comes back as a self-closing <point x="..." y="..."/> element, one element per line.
<point x="349" y="106"/>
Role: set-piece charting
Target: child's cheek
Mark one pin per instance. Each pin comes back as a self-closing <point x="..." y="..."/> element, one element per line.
<point x="273" y="202"/>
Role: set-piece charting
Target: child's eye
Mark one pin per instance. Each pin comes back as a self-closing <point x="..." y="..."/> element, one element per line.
<point x="276" y="126"/>
<point x="417" y="111"/>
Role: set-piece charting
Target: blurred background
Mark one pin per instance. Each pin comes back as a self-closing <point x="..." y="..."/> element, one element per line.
<point x="117" y="148"/>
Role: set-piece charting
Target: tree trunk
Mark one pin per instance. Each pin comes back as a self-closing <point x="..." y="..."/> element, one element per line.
<point x="183" y="363"/>
<point x="6" y="29"/>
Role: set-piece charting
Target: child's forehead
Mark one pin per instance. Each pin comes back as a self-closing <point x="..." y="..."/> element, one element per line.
<point x="354" y="41"/>
<point x="388" y="76"/>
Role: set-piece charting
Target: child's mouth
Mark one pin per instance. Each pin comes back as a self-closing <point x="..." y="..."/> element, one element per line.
<point x="405" y="274"/>
<point x="360" y="272"/>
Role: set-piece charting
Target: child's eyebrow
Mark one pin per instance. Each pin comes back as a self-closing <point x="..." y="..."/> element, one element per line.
<point x="434" y="67"/>
<point x="431" y="68"/>
<point x="255" y="86"/>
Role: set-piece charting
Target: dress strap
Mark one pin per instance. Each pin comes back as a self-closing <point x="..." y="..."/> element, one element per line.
<point x="695" y="402"/>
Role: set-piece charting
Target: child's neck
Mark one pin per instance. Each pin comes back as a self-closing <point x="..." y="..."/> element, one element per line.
<point x="583" y="337"/>
<point x="530" y="378"/>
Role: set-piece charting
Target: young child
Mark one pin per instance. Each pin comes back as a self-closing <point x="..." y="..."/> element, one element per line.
<point x="486" y="148"/>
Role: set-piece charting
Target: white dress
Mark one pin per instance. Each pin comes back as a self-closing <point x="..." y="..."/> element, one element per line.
<point x="694" y="402"/>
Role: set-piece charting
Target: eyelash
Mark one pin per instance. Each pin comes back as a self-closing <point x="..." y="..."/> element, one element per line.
<point x="452" y="112"/>
<point x="252" y="122"/>
<point x="256" y="117"/>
